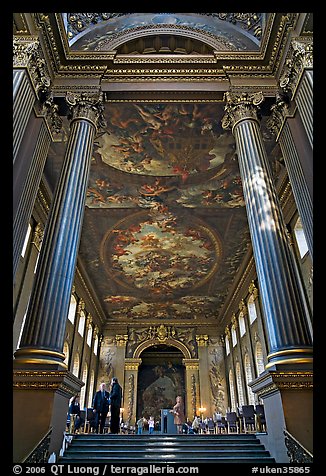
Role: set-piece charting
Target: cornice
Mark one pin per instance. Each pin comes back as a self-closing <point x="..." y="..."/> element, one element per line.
<point x="66" y="63"/>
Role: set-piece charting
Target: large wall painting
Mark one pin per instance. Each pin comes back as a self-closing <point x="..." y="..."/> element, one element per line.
<point x="158" y="386"/>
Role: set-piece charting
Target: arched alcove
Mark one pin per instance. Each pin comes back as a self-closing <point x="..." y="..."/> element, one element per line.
<point x="161" y="377"/>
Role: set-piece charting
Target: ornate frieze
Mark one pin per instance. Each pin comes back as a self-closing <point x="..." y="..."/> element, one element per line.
<point x="161" y="334"/>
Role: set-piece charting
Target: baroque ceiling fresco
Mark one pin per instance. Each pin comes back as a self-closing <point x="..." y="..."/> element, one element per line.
<point x="104" y="31"/>
<point x="165" y="224"/>
<point x="165" y="227"/>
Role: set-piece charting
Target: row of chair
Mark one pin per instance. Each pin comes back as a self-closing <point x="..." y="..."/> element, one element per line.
<point x="248" y="418"/>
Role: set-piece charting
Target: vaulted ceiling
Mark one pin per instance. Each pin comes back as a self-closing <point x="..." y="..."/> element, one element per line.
<point x="165" y="228"/>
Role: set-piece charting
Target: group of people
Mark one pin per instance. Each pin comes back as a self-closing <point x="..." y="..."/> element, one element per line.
<point x="103" y="402"/>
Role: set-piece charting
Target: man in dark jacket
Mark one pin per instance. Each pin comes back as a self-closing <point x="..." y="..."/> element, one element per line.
<point x="101" y="405"/>
<point x="116" y="398"/>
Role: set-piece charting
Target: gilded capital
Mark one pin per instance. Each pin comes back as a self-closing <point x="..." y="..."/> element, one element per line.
<point x="38" y="236"/>
<point x="253" y="291"/>
<point x="227" y="332"/>
<point x="279" y="111"/>
<point x="86" y="106"/>
<point x="243" y="307"/>
<point x="240" y="106"/>
<point x="202" y="340"/>
<point x="121" y="340"/>
<point x="28" y="54"/>
<point x="234" y="321"/>
<point x="300" y="57"/>
<point x="80" y="306"/>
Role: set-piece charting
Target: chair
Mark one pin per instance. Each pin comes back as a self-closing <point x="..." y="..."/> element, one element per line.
<point x="232" y="422"/>
<point x="248" y="418"/>
<point x="210" y="426"/>
<point x="260" y="418"/>
<point x="221" y="424"/>
<point x="89" y="420"/>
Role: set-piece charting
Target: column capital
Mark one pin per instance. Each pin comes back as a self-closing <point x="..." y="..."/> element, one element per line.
<point x="80" y="306"/>
<point x="121" y="340"/>
<point x="38" y="236"/>
<point x="241" y="106"/>
<point x="202" y="340"/>
<point x="243" y="307"/>
<point x="279" y="112"/>
<point x="227" y="332"/>
<point x="28" y="54"/>
<point x="132" y="364"/>
<point x="253" y="291"/>
<point x="86" y="106"/>
<point x="299" y="58"/>
<point x="234" y="321"/>
<point x="191" y="364"/>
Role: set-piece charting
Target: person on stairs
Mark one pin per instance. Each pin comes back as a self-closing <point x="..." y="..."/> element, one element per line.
<point x="101" y="404"/>
<point x="116" y="399"/>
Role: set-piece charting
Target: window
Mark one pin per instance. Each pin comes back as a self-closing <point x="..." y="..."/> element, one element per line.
<point x="239" y="384"/>
<point x="66" y="352"/>
<point x="252" y="310"/>
<point x="81" y="324"/>
<point x="91" y="389"/>
<point x="234" y="336"/>
<point x="72" y="309"/>
<point x="83" y="389"/>
<point x="75" y="369"/>
<point x="95" y="346"/>
<point x="232" y="392"/>
<point x="300" y="238"/>
<point x="89" y="335"/>
<point x="249" y="378"/>
<point x="242" y="324"/>
<point x="259" y="358"/>
<point x="227" y="345"/>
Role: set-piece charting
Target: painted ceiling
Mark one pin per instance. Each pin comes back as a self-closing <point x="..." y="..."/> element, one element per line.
<point x="165" y="227"/>
<point x="223" y="31"/>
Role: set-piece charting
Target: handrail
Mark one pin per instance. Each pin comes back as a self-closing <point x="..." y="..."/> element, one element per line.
<point x="40" y="452"/>
<point x="296" y="451"/>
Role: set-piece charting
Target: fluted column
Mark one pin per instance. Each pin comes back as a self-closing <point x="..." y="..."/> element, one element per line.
<point x="288" y="333"/>
<point x="31" y="84"/>
<point x="298" y="80"/>
<point x="43" y="336"/>
<point x="279" y="125"/>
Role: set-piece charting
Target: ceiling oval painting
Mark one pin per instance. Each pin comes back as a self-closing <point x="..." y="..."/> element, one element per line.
<point x="164" y="139"/>
<point x="160" y="253"/>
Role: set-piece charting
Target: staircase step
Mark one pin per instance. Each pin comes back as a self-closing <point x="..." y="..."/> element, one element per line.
<point x="98" y="448"/>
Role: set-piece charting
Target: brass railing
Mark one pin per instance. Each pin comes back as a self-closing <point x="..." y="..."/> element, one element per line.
<point x="40" y="453"/>
<point x="296" y="451"/>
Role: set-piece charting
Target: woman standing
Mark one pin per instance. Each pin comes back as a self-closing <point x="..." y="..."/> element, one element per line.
<point x="179" y="414"/>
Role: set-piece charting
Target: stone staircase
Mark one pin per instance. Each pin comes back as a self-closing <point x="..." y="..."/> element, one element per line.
<point x="158" y="448"/>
